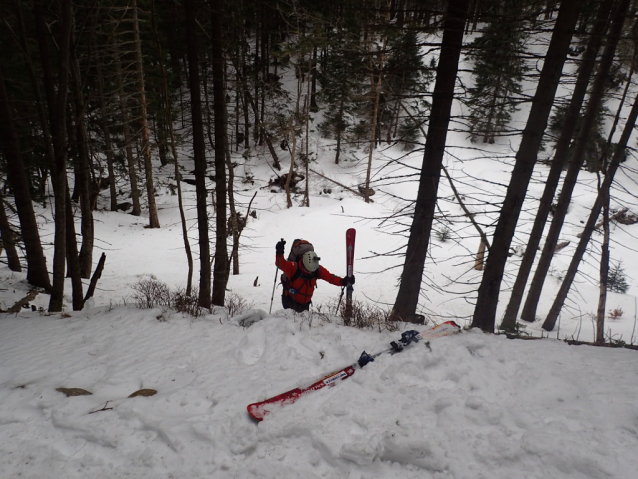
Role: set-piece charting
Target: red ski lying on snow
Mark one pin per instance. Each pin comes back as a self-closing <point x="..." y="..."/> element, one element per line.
<point x="260" y="409"/>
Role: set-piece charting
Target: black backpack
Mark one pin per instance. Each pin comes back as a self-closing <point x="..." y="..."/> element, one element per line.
<point x="297" y="250"/>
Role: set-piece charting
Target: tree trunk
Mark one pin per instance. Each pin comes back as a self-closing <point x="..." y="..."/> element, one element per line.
<point x="375" y="118"/>
<point x="619" y="153"/>
<point x="37" y="273"/>
<point x="83" y="176"/>
<point x="418" y="242"/>
<point x="604" y="272"/>
<point x="56" y="94"/>
<point x="7" y="237"/>
<point x="488" y="293"/>
<point x="153" y="219"/>
<point x="126" y="131"/>
<point x="220" y="272"/>
<point x="96" y="276"/>
<point x="340" y="130"/>
<point x="168" y="112"/>
<point x="558" y="162"/>
<point x="72" y="257"/>
<point x="569" y="183"/>
<point x="108" y="144"/>
<point x="264" y="134"/>
<point x="199" y="155"/>
<point x="314" y="108"/>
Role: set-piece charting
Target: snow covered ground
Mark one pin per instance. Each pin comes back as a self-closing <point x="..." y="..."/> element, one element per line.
<point x="474" y="406"/>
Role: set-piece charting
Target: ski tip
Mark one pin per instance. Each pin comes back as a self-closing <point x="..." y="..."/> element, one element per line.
<point x="256" y="412"/>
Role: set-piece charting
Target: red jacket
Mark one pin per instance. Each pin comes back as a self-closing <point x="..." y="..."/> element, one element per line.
<point x="301" y="289"/>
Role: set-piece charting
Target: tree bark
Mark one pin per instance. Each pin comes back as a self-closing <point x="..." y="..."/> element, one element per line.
<point x="558" y="162"/>
<point x="83" y="176"/>
<point x="488" y="293"/>
<point x="220" y="272"/>
<point x="153" y="219"/>
<point x="74" y="269"/>
<point x="375" y="117"/>
<point x="168" y="111"/>
<point x="571" y="177"/>
<point x="418" y="242"/>
<point x="56" y="94"/>
<point x="126" y="131"/>
<point x="199" y="155"/>
<point x="37" y="273"/>
<point x="619" y="153"/>
<point x="108" y="144"/>
<point x="95" y="278"/>
<point x="604" y="272"/>
<point x="7" y="237"/>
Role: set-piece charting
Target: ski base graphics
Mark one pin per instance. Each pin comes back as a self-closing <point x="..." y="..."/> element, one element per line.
<point x="260" y="409"/>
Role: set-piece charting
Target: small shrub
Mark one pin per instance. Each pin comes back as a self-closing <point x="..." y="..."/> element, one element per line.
<point x="443" y="234"/>
<point x="235" y="304"/>
<point x="150" y="293"/>
<point x="367" y="316"/>
<point x="615" y="313"/>
<point x="189" y="304"/>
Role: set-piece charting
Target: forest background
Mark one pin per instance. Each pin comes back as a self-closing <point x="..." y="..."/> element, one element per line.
<point x="106" y="105"/>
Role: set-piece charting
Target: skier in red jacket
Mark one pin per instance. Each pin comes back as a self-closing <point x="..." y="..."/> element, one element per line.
<point x="303" y="276"/>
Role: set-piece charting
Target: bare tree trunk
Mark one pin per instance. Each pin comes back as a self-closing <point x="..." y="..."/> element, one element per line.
<point x="126" y="131"/>
<point x="573" y="170"/>
<point x="558" y="162"/>
<point x="7" y="237"/>
<point x="604" y="272"/>
<point x="108" y="144"/>
<point x="83" y="177"/>
<point x="96" y="276"/>
<point x="199" y="155"/>
<point x="56" y="93"/>
<point x="293" y="151"/>
<point x="339" y="131"/>
<point x="72" y="257"/>
<point x="246" y="94"/>
<point x="37" y="273"/>
<point x="375" y="118"/>
<point x="169" y="120"/>
<point x="619" y="153"/>
<point x="153" y="219"/>
<point x="443" y="95"/>
<point x="313" y="107"/>
<point x="220" y="272"/>
<point x="480" y="256"/>
<point x="306" y="199"/>
<point x="488" y="293"/>
<point x="264" y="133"/>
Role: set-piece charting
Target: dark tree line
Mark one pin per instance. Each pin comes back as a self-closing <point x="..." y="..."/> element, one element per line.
<point x="92" y="95"/>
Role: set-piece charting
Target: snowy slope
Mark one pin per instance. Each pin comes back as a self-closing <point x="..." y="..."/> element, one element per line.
<point x="474" y="406"/>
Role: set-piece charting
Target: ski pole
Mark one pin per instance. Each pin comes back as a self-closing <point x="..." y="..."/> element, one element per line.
<point x="340" y="298"/>
<point x="274" y="285"/>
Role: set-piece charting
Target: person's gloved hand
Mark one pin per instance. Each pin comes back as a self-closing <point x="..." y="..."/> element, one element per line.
<point x="347" y="280"/>
<point x="279" y="248"/>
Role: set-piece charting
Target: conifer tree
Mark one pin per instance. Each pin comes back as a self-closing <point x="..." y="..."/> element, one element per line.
<point x="343" y="82"/>
<point x="405" y="80"/>
<point x="498" y="71"/>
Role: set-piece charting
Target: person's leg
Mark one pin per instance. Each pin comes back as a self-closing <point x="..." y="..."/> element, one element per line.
<point x="286" y="301"/>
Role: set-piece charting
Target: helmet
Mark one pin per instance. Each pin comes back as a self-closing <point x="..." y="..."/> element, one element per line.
<point x="310" y="261"/>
